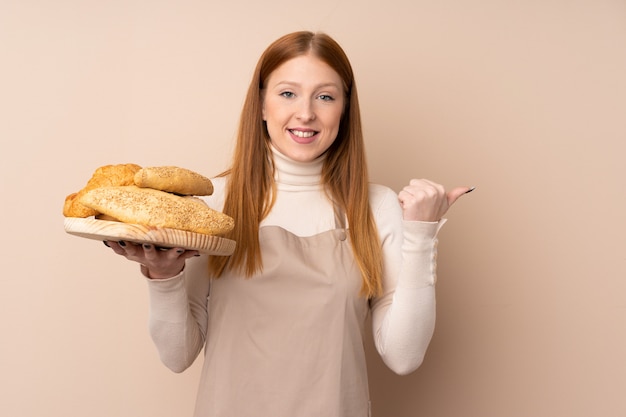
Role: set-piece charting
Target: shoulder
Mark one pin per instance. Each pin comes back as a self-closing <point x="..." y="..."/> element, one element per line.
<point x="216" y="200"/>
<point x="382" y="198"/>
<point x="386" y="210"/>
<point x="219" y="184"/>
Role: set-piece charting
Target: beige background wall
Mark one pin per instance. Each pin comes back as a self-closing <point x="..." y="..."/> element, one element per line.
<point x="524" y="99"/>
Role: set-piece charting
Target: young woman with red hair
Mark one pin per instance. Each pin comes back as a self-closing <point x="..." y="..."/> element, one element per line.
<point x="319" y="248"/>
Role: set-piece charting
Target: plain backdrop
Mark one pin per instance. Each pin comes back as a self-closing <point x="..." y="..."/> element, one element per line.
<point x="524" y="99"/>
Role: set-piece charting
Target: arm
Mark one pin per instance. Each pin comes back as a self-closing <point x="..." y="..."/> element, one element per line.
<point x="178" y="288"/>
<point x="403" y="317"/>
<point x="178" y="314"/>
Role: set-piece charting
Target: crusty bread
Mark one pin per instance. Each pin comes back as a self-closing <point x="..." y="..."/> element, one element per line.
<point x="113" y="175"/>
<point x="104" y="176"/>
<point x="155" y="208"/>
<point x="72" y="208"/>
<point x="174" y="179"/>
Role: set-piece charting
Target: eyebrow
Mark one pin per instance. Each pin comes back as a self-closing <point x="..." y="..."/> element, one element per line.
<point x="295" y="84"/>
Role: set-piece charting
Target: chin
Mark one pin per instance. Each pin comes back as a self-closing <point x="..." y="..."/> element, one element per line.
<point x="298" y="153"/>
<point x="301" y="157"/>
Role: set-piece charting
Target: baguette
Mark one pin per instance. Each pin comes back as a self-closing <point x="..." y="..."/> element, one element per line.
<point x="155" y="208"/>
<point x="173" y="179"/>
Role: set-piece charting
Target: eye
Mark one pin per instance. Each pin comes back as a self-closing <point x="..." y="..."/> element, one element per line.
<point x="287" y="94"/>
<point x="326" y="97"/>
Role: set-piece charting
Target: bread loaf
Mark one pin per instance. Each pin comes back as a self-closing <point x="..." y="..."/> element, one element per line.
<point x="148" y="207"/>
<point x="104" y="176"/>
<point x="174" y="180"/>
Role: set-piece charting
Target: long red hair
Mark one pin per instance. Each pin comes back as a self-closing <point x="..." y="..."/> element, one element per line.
<point x="250" y="188"/>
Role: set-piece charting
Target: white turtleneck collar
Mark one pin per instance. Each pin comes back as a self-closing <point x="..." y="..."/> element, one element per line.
<point x="291" y="173"/>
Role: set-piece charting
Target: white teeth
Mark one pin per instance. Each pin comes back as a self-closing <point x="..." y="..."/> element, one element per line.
<point x="302" y="134"/>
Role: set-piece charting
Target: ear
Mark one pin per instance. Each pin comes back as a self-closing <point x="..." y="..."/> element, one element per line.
<point x="263" y="105"/>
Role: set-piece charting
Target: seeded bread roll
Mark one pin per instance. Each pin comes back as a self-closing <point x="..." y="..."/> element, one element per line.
<point x="174" y="180"/>
<point x="149" y="207"/>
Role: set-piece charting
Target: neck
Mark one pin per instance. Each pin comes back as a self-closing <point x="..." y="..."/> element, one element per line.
<point x="294" y="173"/>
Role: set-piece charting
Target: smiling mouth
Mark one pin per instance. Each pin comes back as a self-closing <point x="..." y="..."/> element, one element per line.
<point x="303" y="134"/>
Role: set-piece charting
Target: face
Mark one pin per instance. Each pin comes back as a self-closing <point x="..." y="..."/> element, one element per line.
<point x="302" y="106"/>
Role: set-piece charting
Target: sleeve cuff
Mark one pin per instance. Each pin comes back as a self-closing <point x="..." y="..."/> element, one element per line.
<point x="420" y="231"/>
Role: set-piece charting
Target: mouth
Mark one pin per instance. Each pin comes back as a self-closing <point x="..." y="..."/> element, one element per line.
<point x="303" y="136"/>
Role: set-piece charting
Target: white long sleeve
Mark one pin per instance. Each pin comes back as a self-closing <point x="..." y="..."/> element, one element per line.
<point x="403" y="317"/>
<point x="178" y="314"/>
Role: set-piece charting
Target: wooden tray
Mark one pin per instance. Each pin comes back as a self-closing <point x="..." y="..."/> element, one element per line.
<point x="91" y="228"/>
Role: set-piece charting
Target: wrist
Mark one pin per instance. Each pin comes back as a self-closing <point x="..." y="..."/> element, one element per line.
<point x="158" y="275"/>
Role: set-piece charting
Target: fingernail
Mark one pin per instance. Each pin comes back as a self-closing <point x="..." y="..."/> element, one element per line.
<point x="106" y="243"/>
<point x="470" y="190"/>
<point x="122" y="243"/>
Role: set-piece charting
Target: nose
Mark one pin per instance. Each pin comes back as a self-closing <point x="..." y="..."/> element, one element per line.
<point x="306" y="111"/>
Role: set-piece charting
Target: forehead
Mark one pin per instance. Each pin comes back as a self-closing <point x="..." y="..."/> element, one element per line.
<point x="305" y="70"/>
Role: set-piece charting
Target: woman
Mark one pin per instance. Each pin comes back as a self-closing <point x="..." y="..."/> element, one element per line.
<point x="318" y="249"/>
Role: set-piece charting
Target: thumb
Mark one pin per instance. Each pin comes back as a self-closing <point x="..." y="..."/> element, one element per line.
<point x="455" y="193"/>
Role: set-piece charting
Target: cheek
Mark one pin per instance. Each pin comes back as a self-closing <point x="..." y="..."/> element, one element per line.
<point x="337" y="120"/>
<point x="271" y="112"/>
